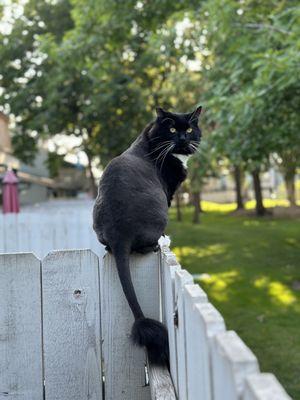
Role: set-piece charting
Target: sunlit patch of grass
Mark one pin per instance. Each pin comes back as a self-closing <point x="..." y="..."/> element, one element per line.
<point x="249" y="205"/>
<point x="217" y="207"/>
<point x="292" y="241"/>
<point x="218" y="283"/>
<point x="199" y="252"/>
<point x="278" y="292"/>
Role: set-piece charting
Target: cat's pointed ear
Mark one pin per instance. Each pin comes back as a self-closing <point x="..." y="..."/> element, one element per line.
<point x="160" y="112"/>
<point x="196" y="113"/>
<point x="194" y="116"/>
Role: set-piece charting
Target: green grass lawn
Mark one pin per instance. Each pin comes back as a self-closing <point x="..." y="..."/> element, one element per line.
<point x="250" y="269"/>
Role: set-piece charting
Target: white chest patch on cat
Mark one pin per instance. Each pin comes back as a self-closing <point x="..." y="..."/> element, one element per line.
<point x="183" y="158"/>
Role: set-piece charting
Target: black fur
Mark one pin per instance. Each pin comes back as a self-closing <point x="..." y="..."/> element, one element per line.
<point x="153" y="335"/>
<point x="131" y="210"/>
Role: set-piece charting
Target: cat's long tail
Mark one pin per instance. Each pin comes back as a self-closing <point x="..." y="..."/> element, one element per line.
<point x="145" y="332"/>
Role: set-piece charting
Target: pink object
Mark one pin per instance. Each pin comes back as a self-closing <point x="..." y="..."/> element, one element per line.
<point x="10" y="193"/>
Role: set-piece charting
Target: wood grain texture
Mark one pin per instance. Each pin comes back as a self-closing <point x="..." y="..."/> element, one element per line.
<point x="71" y="315"/>
<point x="161" y="385"/>
<point x="169" y="266"/>
<point x="264" y="386"/>
<point x="125" y="363"/>
<point x="21" y="372"/>
<point x="232" y="362"/>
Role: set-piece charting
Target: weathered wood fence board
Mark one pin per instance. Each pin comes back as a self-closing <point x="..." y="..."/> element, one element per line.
<point x="169" y="266"/>
<point x="42" y="232"/>
<point x="203" y="318"/>
<point x="72" y="341"/>
<point x="182" y="278"/>
<point x="264" y="387"/>
<point x="21" y="369"/>
<point x="161" y="386"/>
<point x="65" y="326"/>
<point x="232" y="362"/>
<point x="124" y="363"/>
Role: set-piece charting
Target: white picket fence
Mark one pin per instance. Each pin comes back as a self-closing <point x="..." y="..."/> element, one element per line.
<point x="65" y="324"/>
<point x="58" y="225"/>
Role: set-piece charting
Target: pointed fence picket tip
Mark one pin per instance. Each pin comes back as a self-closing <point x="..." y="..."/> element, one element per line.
<point x="264" y="386"/>
<point x="59" y="253"/>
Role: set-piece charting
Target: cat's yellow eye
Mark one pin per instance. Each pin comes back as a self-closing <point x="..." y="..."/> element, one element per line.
<point x="189" y="130"/>
<point x="173" y="130"/>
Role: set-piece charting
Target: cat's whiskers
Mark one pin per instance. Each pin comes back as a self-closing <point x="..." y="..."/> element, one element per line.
<point x="160" y="146"/>
<point x="192" y="146"/>
<point x="166" y="153"/>
<point x="162" y="155"/>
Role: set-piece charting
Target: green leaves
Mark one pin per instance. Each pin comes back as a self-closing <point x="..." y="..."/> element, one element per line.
<point x="97" y="69"/>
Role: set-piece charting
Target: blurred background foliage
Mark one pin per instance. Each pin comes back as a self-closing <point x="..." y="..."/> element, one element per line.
<point x="97" y="69"/>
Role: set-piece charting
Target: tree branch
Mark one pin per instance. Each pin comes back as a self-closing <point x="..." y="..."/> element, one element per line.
<point x="265" y="27"/>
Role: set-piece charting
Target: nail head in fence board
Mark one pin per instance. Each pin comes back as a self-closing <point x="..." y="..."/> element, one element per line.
<point x="264" y="386"/>
<point x="203" y="321"/>
<point x="161" y="386"/>
<point x="182" y="278"/>
<point x="20" y="327"/>
<point x="232" y="362"/>
<point x="71" y="315"/>
<point x="124" y="363"/>
<point x="169" y="267"/>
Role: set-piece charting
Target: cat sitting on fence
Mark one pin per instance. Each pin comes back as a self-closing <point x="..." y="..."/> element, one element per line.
<point x="131" y="210"/>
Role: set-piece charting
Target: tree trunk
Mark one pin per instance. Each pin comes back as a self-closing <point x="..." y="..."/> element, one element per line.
<point x="260" y="209"/>
<point x="238" y="187"/>
<point x="178" y="206"/>
<point x="93" y="186"/>
<point x="289" y="179"/>
<point x="197" y="208"/>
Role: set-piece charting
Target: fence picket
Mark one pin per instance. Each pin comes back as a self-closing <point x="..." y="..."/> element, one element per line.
<point x="124" y="363"/>
<point x="71" y="315"/>
<point x="182" y="278"/>
<point x="202" y="322"/>
<point x="232" y="361"/>
<point x="169" y="267"/>
<point x="208" y="322"/>
<point x="264" y="386"/>
<point x="41" y="232"/>
<point x="11" y="242"/>
<point x="21" y="370"/>
<point x="2" y="246"/>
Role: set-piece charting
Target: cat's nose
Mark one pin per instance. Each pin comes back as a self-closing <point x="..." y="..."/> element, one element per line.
<point x="182" y="139"/>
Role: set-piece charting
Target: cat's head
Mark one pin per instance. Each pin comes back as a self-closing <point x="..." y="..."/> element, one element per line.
<point x="179" y="133"/>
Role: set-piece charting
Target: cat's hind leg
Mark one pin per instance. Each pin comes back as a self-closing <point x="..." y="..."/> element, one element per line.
<point x="147" y="249"/>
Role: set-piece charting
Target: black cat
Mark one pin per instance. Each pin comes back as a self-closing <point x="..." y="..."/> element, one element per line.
<point x="131" y="210"/>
